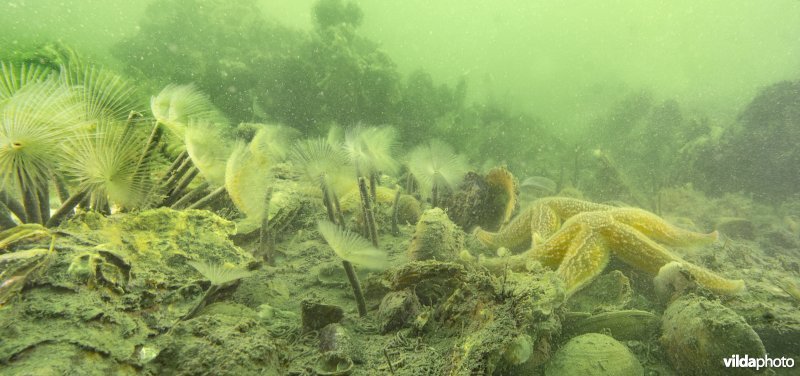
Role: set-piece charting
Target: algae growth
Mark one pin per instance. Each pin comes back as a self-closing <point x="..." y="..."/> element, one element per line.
<point x="219" y="191"/>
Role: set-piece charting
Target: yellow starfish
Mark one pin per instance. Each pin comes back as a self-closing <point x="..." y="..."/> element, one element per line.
<point x="581" y="248"/>
<point x="539" y="221"/>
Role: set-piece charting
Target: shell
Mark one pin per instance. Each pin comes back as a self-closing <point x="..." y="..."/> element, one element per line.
<point x="699" y="333"/>
<point x="336" y="338"/>
<point x="408" y="210"/>
<point x="485" y="201"/>
<point x="333" y="364"/>
<point x="622" y="325"/>
<point x="609" y="292"/>
<point x="351" y="201"/>
<point x="436" y="238"/>
<point x="398" y="309"/>
<point x="504" y="185"/>
<point x="594" y="354"/>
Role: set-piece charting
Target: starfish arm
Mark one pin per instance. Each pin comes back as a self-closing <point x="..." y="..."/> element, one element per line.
<point x="714" y="282"/>
<point x="660" y="230"/>
<point x="566" y="207"/>
<point x="585" y="260"/>
<point x="637" y="250"/>
<point x="544" y="222"/>
<point x="552" y="251"/>
<point x="515" y="236"/>
<point x="549" y="253"/>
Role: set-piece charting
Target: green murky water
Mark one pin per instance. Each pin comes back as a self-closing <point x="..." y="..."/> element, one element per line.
<point x="341" y="187"/>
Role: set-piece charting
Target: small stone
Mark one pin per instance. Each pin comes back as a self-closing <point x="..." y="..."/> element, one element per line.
<point x="316" y="315"/>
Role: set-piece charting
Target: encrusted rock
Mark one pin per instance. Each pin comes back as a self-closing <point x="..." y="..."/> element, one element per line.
<point x="131" y="283"/>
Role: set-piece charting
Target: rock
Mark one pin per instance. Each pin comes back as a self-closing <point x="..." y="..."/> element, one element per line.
<point x="593" y="354"/>
<point x="316" y="315"/>
<point x="330" y="274"/>
<point x="397" y="310"/>
<point x="699" y="333"/>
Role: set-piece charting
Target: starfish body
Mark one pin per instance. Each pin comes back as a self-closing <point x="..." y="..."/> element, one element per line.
<point x="581" y="248"/>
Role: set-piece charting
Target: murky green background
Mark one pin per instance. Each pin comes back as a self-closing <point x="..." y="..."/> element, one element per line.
<point x="564" y="61"/>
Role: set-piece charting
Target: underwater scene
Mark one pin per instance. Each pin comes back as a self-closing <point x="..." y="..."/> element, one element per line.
<point x="452" y="187"/>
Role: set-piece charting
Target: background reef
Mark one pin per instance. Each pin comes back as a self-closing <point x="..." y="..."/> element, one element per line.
<point x="259" y="70"/>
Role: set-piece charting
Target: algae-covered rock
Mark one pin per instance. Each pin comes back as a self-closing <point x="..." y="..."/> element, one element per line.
<point x="699" y="333"/>
<point x="110" y="290"/>
<point x="219" y="345"/>
<point x="594" y="354"/>
<point x="430" y="280"/>
<point x="511" y="336"/>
